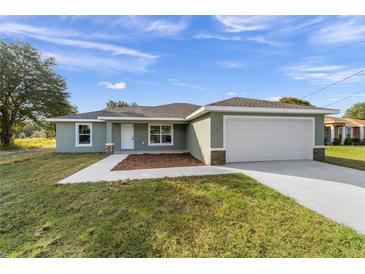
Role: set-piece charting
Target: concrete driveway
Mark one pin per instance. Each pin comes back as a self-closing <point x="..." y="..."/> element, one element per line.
<point x="333" y="191"/>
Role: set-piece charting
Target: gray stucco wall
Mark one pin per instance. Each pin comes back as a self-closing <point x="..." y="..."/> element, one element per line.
<point x="66" y="140"/>
<point x="141" y="138"/>
<point x="198" y="138"/>
<point x="217" y="126"/>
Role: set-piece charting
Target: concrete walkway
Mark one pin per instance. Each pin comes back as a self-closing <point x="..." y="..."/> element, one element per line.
<point x="101" y="171"/>
<point x="333" y="191"/>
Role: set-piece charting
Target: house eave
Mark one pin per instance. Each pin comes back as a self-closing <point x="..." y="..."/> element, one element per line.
<point x="72" y="120"/>
<point x="206" y="109"/>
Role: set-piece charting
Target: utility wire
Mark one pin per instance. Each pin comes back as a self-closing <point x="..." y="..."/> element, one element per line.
<point x="346" y="97"/>
<point x="335" y="83"/>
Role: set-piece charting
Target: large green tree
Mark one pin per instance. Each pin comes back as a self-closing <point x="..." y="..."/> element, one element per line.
<point x="357" y="111"/>
<point x="30" y="90"/>
<point x="295" y="101"/>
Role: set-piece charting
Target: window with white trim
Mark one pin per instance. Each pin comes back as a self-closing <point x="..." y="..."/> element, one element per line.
<point x="160" y="134"/>
<point x="83" y="134"/>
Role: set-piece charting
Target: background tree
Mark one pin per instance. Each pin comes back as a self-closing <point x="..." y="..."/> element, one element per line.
<point x="295" y="101"/>
<point x="29" y="88"/>
<point x="119" y="104"/>
<point x="357" y="111"/>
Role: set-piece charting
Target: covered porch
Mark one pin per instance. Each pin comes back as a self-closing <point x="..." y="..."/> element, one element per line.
<point x="145" y="136"/>
<point x="342" y="129"/>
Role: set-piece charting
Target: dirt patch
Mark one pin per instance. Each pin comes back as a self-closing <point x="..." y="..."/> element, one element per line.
<point x="142" y="161"/>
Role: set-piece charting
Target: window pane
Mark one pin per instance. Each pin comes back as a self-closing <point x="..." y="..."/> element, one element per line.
<point x="84" y="129"/>
<point x="166" y="129"/>
<point x="166" y="139"/>
<point x="155" y="139"/>
<point x="84" y="139"/>
<point x="155" y="130"/>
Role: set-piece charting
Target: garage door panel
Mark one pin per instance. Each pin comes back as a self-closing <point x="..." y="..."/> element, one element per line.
<point x="250" y="139"/>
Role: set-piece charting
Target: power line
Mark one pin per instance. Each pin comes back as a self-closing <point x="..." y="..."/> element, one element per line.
<point x="335" y="83"/>
<point x="346" y="97"/>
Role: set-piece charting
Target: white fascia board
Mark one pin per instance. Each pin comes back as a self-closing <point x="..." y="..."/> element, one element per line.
<point x="206" y="109"/>
<point x="200" y="111"/>
<point x="72" y="120"/>
<point x="141" y="118"/>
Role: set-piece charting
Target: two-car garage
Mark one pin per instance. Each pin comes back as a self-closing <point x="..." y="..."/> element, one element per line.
<point x="266" y="138"/>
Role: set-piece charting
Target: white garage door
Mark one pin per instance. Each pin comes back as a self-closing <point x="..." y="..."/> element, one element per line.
<point x="267" y="138"/>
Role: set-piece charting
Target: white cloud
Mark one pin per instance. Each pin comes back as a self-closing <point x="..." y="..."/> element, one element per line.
<point x="179" y="83"/>
<point x="158" y="27"/>
<point x="318" y="73"/>
<point x="109" y="85"/>
<point x="341" y="31"/>
<point x="57" y="37"/>
<point x="202" y="36"/>
<point x="260" y="39"/>
<point x="246" y="23"/>
<point x="274" y="98"/>
<point x="232" y="93"/>
<point x="229" y="64"/>
<point x="97" y="63"/>
<point x="340" y="96"/>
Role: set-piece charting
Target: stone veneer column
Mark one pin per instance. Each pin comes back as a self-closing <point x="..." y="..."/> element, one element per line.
<point x="218" y="157"/>
<point x="109" y="146"/>
<point x="319" y="153"/>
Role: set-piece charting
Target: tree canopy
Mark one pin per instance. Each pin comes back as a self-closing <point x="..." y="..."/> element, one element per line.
<point x="295" y="101"/>
<point x="30" y="90"/>
<point x="118" y="104"/>
<point x="357" y="111"/>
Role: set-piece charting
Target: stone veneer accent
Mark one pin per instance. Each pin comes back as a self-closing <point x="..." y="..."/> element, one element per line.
<point x="109" y="148"/>
<point x="319" y="154"/>
<point x="218" y="157"/>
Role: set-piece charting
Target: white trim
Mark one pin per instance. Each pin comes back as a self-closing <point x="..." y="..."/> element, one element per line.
<point x="217" y="149"/>
<point x="141" y="118"/>
<point x="206" y="109"/>
<point x="77" y="135"/>
<point x="312" y="119"/>
<point x="72" y="120"/>
<point x="319" y="146"/>
<point x="161" y="144"/>
<point x="109" y="144"/>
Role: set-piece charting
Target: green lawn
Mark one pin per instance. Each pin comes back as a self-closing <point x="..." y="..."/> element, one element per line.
<point x="27" y="143"/>
<point x="207" y="216"/>
<point x="348" y="156"/>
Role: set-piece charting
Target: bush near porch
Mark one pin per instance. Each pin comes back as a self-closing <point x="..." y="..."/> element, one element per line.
<point x="206" y="216"/>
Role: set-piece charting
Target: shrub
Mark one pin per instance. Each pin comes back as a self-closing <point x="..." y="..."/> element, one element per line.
<point x="348" y="141"/>
<point x="336" y="142"/>
<point x="356" y="142"/>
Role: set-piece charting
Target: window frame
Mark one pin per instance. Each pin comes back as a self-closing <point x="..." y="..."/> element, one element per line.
<point x="160" y="143"/>
<point x="77" y="144"/>
<point x="348" y="132"/>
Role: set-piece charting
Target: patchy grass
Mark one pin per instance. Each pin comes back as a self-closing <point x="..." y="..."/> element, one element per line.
<point x="206" y="216"/>
<point x="348" y="156"/>
<point x="28" y="143"/>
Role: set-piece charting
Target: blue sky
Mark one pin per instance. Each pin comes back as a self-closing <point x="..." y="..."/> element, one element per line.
<point x="199" y="59"/>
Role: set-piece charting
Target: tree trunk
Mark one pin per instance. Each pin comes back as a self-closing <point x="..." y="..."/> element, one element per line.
<point x="6" y="134"/>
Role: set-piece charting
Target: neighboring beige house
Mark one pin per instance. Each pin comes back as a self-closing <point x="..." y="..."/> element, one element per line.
<point x="342" y="128"/>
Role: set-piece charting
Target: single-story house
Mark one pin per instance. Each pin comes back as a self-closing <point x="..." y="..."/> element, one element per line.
<point x="232" y="130"/>
<point x="342" y="128"/>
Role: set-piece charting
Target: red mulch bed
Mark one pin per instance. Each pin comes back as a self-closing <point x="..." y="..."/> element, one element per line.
<point x="142" y="161"/>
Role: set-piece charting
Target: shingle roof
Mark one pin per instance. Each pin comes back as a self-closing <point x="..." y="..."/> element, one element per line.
<point x="248" y="102"/>
<point x="347" y="121"/>
<point x="175" y="110"/>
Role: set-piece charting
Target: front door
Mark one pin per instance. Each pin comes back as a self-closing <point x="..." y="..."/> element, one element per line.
<point x="127" y="135"/>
